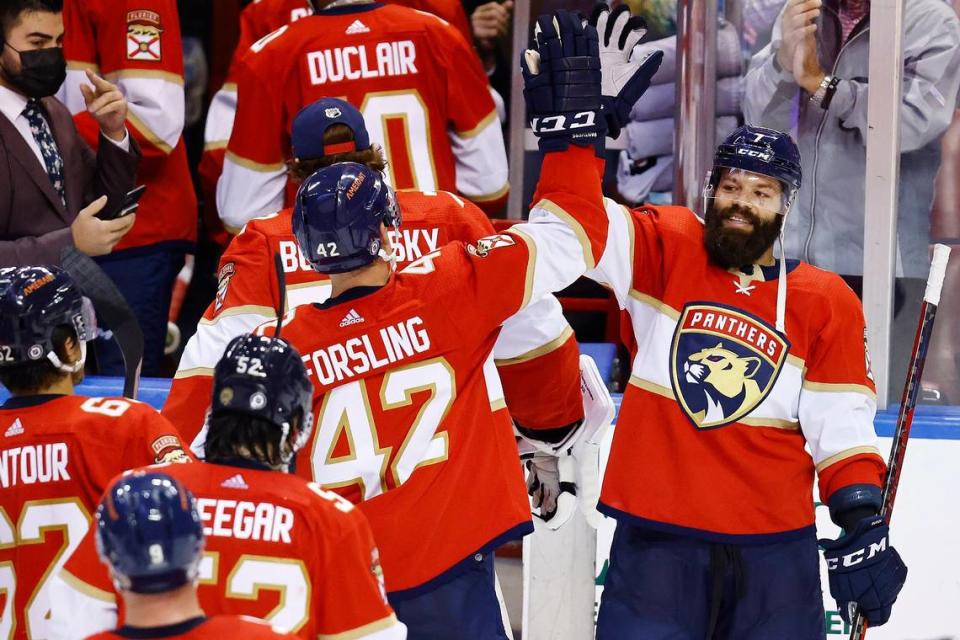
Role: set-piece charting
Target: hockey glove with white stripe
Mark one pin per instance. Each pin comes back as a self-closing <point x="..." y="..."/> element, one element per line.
<point x="624" y="79"/>
<point x="865" y="571"/>
<point x="561" y="78"/>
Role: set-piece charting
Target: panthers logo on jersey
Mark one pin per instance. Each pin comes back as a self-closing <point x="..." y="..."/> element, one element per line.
<point x="724" y="362"/>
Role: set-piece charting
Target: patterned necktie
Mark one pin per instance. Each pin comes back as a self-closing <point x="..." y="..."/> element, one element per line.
<point x="48" y="147"/>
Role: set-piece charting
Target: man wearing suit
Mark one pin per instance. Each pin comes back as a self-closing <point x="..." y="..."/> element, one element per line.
<point x="51" y="182"/>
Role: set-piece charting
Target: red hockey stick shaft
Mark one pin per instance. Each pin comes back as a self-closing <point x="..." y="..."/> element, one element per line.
<point x="908" y="402"/>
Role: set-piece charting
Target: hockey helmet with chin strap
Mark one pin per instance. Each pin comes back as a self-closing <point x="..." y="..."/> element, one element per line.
<point x="770" y="153"/>
<point x="264" y="377"/>
<point x="34" y="301"/>
<point x="762" y="151"/>
<point x="337" y="217"/>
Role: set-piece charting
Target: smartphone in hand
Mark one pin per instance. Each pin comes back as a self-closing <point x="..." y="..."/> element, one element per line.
<point x="128" y="206"/>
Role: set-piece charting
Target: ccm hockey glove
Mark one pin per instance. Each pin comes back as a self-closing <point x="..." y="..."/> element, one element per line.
<point x="561" y="84"/>
<point x="865" y="571"/>
<point x="624" y="80"/>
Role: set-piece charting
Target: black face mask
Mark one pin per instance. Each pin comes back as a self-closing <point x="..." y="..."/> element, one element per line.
<point x="42" y="71"/>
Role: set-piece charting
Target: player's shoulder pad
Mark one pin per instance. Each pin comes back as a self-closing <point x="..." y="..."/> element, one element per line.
<point x="826" y="285"/>
<point x="432" y="16"/>
<point x="337" y="516"/>
<point x="114" y="406"/>
<point x="276" y="40"/>
<point x="442" y="208"/>
<point x="270" y="224"/>
<point x="671" y="222"/>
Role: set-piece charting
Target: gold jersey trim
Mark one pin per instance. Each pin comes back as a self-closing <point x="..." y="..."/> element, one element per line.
<point x="360" y="632"/>
<point x="554" y="344"/>
<point x="487" y="120"/>
<point x="254" y="166"/>
<point x="848" y="453"/>
<point x="575" y="225"/>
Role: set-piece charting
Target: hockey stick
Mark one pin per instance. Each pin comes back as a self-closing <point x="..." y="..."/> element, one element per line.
<point x="908" y="403"/>
<point x="113" y="311"/>
<point x="282" y="286"/>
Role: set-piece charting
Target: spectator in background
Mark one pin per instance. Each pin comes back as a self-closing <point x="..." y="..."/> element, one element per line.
<point x="137" y="44"/>
<point x="426" y="94"/>
<point x="812" y="77"/>
<point x="53" y="183"/>
<point x="646" y="169"/>
<point x="491" y="26"/>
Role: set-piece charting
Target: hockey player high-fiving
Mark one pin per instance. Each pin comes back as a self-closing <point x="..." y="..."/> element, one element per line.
<point x="744" y="361"/>
<point x="409" y="422"/>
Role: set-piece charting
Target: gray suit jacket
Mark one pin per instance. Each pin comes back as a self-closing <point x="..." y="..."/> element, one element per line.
<point x="34" y="224"/>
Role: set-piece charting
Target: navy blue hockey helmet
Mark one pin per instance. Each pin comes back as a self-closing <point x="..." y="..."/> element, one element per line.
<point x="337" y="216"/>
<point x="759" y="150"/>
<point x="34" y="301"/>
<point x="264" y="377"/>
<point x="149" y="533"/>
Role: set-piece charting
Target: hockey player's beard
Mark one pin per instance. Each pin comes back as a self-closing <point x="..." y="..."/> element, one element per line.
<point x="733" y="248"/>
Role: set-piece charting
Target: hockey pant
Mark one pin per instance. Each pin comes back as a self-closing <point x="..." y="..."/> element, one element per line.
<point x="461" y="604"/>
<point x="662" y="586"/>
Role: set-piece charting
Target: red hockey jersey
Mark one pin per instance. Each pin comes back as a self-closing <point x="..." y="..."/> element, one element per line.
<point x="135" y="44"/>
<point x="406" y="395"/>
<point x="257" y="20"/>
<point x="262" y="17"/>
<point x="215" y="628"/>
<point x="277" y="548"/>
<point x="424" y="97"/>
<point x="56" y="459"/>
<point x="712" y="436"/>
<point x="537" y="340"/>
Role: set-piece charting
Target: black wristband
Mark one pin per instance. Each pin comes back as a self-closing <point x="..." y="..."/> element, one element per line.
<point x="828" y="94"/>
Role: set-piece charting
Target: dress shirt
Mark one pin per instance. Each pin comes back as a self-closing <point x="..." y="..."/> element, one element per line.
<point x="12" y="105"/>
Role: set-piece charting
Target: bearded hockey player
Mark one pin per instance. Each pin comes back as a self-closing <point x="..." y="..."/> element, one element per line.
<point x="536" y="354"/>
<point x="406" y="397"/>
<point x="150" y="535"/>
<point x="266" y="531"/>
<point x="59" y="450"/>
<point x="413" y="76"/>
<point x="744" y="360"/>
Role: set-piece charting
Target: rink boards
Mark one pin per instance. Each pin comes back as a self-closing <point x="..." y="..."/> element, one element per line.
<point x="926" y="524"/>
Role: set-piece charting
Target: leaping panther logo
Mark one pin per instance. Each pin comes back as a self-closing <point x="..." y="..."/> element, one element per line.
<point x="724" y="363"/>
<point x="726" y="380"/>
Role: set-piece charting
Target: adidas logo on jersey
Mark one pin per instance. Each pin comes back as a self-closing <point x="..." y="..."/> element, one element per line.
<point x="357" y="27"/>
<point x="13" y="430"/>
<point x="234" y="482"/>
<point x="352" y="317"/>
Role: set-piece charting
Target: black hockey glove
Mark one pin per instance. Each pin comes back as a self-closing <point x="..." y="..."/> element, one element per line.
<point x="561" y="78"/>
<point x="624" y="80"/>
<point x="865" y="571"/>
